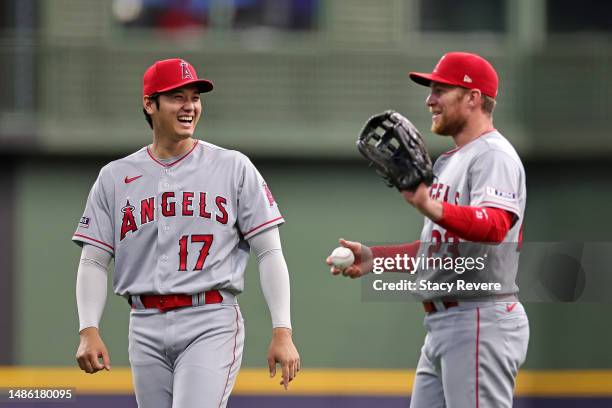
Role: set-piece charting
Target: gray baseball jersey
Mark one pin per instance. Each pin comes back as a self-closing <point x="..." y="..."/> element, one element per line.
<point x="486" y="172"/>
<point x="181" y="226"/>
<point x="462" y="363"/>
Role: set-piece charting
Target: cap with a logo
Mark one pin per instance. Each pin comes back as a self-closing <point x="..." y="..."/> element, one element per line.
<point x="462" y="69"/>
<point x="170" y="74"/>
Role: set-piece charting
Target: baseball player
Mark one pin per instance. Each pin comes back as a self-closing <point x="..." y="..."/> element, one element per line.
<point x="475" y="342"/>
<point x="180" y="218"/>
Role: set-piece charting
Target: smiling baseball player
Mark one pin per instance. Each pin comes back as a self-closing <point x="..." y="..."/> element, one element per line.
<point x="475" y="341"/>
<point x="180" y="218"/>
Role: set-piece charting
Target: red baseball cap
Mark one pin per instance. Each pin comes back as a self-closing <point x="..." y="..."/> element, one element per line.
<point x="170" y="74"/>
<point x="462" y="69"/>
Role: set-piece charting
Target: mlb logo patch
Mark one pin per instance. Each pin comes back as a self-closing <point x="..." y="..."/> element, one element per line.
<point x="502" y="195"/>
<point x="84" y="222"/>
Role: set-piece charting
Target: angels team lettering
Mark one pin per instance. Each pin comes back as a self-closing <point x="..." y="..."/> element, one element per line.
<point x="440" y="192"/>
<point x="172" y="204"/>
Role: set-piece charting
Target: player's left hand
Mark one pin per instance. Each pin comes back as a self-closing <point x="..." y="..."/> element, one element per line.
<point x="283" y="351"/>
<point x="421" y="200"/>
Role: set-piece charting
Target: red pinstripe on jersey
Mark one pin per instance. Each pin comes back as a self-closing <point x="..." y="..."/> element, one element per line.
<point x="477" y="351"/>
<point x="229" y="370"/>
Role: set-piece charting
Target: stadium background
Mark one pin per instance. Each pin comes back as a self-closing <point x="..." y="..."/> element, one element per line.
<point x="294" y="81"/>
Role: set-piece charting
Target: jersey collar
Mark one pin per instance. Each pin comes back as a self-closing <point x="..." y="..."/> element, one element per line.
<point x="195" y="143"/>
<point x="476" y="138"/>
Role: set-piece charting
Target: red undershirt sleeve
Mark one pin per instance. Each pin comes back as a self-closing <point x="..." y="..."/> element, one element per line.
<point x="476" y="224"/>
<point x="391" y="251"/>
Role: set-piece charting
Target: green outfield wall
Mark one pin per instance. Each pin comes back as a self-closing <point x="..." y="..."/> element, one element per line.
<point x="321" y="201"/>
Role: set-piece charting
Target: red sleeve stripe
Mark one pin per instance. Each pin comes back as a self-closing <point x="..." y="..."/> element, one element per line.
<point x="262" y="225"/>
<point x="498" y="204"/>
<point x="94" y="240"/>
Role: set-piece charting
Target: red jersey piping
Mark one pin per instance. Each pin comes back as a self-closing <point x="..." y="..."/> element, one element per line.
<point x="477" y="354"/>
<point x="460" y="147"/>
<point x="174" y="162"/>
<point x="503" y="206"/>
<point x="229" y="370"/>
<point x="94" y="240"/>
<point x="262" y="225"/>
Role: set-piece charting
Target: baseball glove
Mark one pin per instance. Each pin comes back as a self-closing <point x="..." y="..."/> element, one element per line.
<point x="394" y="147"/>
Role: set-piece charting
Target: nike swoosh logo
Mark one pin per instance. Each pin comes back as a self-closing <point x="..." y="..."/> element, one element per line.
<point x="510" y="307"/>
<point x="130" y="179"/>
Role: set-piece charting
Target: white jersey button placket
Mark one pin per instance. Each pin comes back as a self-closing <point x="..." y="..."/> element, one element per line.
<point x="163" y="238"/>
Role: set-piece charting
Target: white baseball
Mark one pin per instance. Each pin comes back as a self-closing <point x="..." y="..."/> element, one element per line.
<point x="342" y="257"/>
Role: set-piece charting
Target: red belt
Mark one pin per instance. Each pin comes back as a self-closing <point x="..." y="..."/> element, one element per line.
<point x="169" y="302"/>
<point x="430" y="307"/>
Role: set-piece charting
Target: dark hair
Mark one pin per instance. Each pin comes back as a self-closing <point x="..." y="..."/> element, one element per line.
<point x="154" y="97"/>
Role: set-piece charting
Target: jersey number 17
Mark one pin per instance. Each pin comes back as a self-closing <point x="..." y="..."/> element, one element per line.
<point x="206" y="241"/>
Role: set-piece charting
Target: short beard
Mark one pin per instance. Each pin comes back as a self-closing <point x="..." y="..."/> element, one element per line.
<point x="449" y="127"/>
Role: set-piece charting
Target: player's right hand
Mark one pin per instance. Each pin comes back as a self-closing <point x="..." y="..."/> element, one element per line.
<point x="363" y="260"/>
<point x="91" y="350"/>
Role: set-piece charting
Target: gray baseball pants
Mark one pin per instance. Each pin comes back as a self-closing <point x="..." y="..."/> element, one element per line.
<point x="186" y="357"/>
<point x="471" y="356"/>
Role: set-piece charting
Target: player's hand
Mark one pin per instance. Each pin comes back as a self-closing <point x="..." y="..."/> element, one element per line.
<point x="363" y="260"/>
<point x="426" y="205"/>
<point x="91" y="350"/>
<point x="283" y="351"/>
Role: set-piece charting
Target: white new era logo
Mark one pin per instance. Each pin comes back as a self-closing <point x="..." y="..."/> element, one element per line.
<point x="467" y="79"/>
